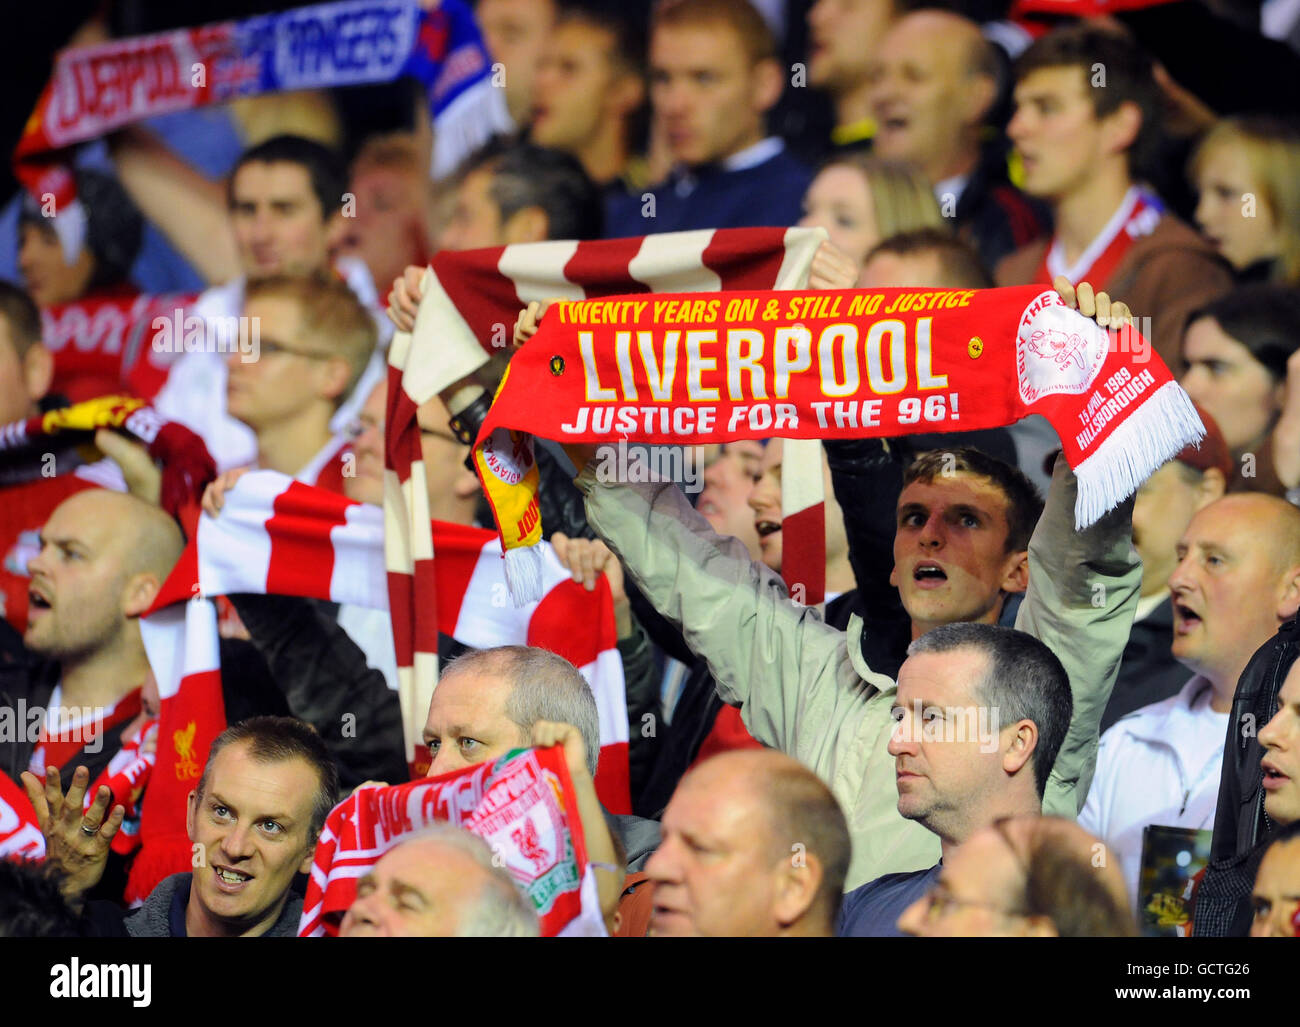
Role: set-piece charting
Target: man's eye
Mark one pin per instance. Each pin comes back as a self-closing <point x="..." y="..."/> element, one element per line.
<point x="221" y="811"/>
<point x="434" y="745"/>
<point x="896" y="714"/>
<point x="933" y="714"/>
<point x="970" y="521"/>
<point x="271" y="827"/>
<point x="469" y="743"/>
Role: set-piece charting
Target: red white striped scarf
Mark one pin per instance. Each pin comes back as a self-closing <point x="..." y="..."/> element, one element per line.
<point x="470" y="302"/>
<point x="518" y="804"/>
<point x="20" y="835"/>
<point x="276" y="536"/>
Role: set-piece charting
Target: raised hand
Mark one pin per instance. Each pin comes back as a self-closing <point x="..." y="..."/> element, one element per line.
<point x="76" y="842"/>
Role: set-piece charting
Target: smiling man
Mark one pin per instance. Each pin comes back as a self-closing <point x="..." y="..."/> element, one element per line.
<point x="754" y="845"/>
<point x="1237" y="580"/>
<point x="267" y="788"/>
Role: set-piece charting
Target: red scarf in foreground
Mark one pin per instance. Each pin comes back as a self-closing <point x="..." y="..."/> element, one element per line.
<point x="814" y="365"/>
<point x="277" y="536"/>
<point x="521" y="805"/>
<point x="470" y="302"/>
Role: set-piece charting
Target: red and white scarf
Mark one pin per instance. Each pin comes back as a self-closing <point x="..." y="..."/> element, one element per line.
<point x="276" y="536"/>
<point x="519" y="804"/>
<point x="20" y="834"/>
<point x="186" y="466"/>
<point x="470" y="302"/>
<point x="832" y="364"/>
<point x="101" y="87"/>
<point x="1137" y="215"/>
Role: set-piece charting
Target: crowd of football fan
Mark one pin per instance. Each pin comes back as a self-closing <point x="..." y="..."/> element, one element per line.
<point x="791" y="783"/>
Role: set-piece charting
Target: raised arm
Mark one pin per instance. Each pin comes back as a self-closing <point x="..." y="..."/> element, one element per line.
<point x="787" y="670"/>
<point x="1083" y="591"/>
<point x="187" y="207"/>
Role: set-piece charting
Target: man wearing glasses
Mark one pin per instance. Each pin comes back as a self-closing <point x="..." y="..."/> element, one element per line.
<point x="1024" y="877"/>
<point x="315" y="339"/>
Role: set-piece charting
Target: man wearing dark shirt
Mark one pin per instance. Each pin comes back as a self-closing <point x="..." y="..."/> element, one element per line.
<point x="713" y="77"/>
<point x="980" y="716"/>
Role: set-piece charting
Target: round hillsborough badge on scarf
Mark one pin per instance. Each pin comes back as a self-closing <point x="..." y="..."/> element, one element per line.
<point x="1056" y="350"/>
<point x="508" y="455"/>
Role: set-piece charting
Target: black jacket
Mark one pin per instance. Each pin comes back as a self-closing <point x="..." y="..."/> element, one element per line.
<point x="992" y="214"/>
<point x="1241" y="827"/>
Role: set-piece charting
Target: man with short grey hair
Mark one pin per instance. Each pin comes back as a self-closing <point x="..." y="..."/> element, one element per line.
<point x="440" y="882"/>
<point x="487" y="702"/>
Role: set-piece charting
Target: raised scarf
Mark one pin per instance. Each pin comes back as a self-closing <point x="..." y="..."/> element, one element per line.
<point x="833" y="364"/>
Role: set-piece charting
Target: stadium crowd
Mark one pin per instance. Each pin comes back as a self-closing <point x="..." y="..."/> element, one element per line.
<point x="780" y="769"/>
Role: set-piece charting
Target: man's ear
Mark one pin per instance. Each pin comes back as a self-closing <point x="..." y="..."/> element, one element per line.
<point x="1289" y="602"/>
<point x="1015" y="572"/>
<point x="191" y="813"/>
<point x="1023" y="742"/>
<point x="140" y="592"/>
<point x="768" y="84"/>
<point x="626" y="94"/>
<point x="336" y="227"/>
<point x="1121" y="126"/>
<point x="528" y="225"/>
<point x="38" y="371"/>
<point x="800" y="877"/>
<point x="1212" y="487"/>
<point x="337" y="374"/>
<point x="1040" y="927"/>
<point x="977" y="99"/>
<point x="305" y="866"/>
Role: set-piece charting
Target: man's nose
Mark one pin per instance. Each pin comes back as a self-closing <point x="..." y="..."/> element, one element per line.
<point x="764" y="496"/>
<point x="902" y="740"/>
<point x="237" y="843"/>
<point x="662" y="866"/>
<point x="1271" y="733"/>
<point x="932" y="533"/>
<point x="1018" y="125"/>
<point x="1182" y="579"/>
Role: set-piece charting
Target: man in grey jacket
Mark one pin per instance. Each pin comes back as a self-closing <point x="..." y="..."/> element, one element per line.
<point x="805" y="688"/>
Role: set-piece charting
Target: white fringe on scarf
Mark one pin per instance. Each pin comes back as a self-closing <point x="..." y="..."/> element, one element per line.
<point x="1152" y="434"/>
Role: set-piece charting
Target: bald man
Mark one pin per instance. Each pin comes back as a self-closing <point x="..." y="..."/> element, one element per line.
<point x="934" y="80"/>
<point x="1237" y="580"/>
<point x="1024" y="877"/>
<point x="754" y="845"/>
<point x="442" y="882"/>
<point x="103" y="558"/>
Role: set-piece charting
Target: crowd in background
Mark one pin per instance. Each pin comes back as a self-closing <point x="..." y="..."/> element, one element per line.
<point x="1152" y="153"/>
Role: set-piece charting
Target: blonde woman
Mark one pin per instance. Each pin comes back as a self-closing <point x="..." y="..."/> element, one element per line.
<point x="1247" y="172"/>
<point x="861" y="200"/>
